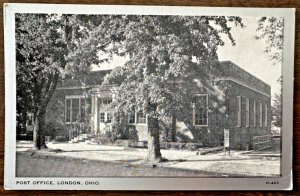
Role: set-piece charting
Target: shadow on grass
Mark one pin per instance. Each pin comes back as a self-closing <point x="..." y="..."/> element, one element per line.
<point x="104" y="150"/>
<point x="129" y="160"/>
<point x="205" y="160"/>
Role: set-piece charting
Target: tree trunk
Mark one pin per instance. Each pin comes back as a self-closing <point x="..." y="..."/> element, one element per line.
<point x="41" y="102"/>
<point x="39" y="131"/>
<point x="173" y="128"/>
<point x="154" y="154"/>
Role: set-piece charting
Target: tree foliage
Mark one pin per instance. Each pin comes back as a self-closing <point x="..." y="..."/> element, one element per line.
<point x="49" y="48"/>
<point x="270" y="29"/>
<point x="164" y="50"/>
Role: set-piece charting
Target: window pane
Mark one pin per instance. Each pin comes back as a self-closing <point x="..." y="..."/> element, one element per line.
<point x="75" y="110"/>
<point x="102" y="117"/>
<point x="239" y="112"/>
<point x="247" y="113"/>
<point x="200" y="116"/>
<point x="82" y="116"/>
<point x="200" y="103"/>
<point x="131" y="118"/>
<point x="260" y="114"/>
<point x="68" y="110"/>
<point x="141" y="118"/>
<point x="254" y="114"/>
<point x="266" y="115"/>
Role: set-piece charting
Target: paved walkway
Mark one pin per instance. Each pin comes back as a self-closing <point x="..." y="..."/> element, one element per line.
<point x="235" y="164"/>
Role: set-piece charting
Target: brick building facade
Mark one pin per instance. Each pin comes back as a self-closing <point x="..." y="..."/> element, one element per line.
<point x="241" y="103"/>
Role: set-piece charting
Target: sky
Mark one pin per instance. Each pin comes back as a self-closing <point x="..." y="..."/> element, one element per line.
<point x="248" y="53"/>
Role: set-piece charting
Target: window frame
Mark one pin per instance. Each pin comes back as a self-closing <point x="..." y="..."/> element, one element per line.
<point x="194" y="110"/>
<point x="266" y="115"/>
<point x="76" y="110"/>
<point x="100" y="117"/>
<point x="247" y="113"/>
<point x="134" y="118"/>
<point x="260" y="114"/>
<point x="70" y="98"/>
<point x="68" y="111"/>
<point x="254" y="114"/>
<point x="137" y="115"/>
<point x="239" y="111"/>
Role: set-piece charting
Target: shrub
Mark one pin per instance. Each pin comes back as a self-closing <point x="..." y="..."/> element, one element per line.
<point x="180" y="137"/>
<point x="180" y="146"/>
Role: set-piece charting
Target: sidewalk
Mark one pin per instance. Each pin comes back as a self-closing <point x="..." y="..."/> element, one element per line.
<point x="235" y="164"/>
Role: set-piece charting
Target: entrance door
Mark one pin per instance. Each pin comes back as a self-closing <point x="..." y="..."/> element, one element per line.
<point x="104" y="116"/>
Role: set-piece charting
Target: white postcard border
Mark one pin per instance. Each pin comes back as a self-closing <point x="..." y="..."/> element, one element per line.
<point x="139" y="183"/>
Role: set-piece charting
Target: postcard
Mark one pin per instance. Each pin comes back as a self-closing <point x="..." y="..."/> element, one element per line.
<point x="111" y="97"/>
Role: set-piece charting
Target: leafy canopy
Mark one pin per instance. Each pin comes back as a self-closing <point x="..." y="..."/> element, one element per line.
<point x="51" y="47"/>
<point x="166" y="55"/>
<point x="270" y="29"/>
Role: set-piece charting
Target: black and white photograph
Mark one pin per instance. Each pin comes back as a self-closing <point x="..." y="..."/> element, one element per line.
<point x="148" y="97"/>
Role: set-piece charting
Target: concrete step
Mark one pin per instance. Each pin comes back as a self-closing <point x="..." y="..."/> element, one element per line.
<point x="81" y="139"/>
<point x="85" y="138"/>
<point x="73" y="141"/>
<point x="95" y="141"/>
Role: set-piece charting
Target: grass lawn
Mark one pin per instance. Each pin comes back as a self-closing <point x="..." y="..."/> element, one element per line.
<point x="44" y="166"/>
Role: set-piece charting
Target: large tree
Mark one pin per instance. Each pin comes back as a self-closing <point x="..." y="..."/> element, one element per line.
<point x="166" y="55"/>
<point x="48" y="48"/>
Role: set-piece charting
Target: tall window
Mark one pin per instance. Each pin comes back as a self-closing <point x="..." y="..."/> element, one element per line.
<point x="247" y="113"/>
<point x="141" y="118"/>
<point x="102" y="117"/>
<point x="239" y="111"/>
<point x="266" y="115"/>
<point x="260" y="114"/>
<point x="75" y="110"/>
<point x="200" y="110"/>
<point x="254" y="114"/>
<point x="131" y="118"/>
